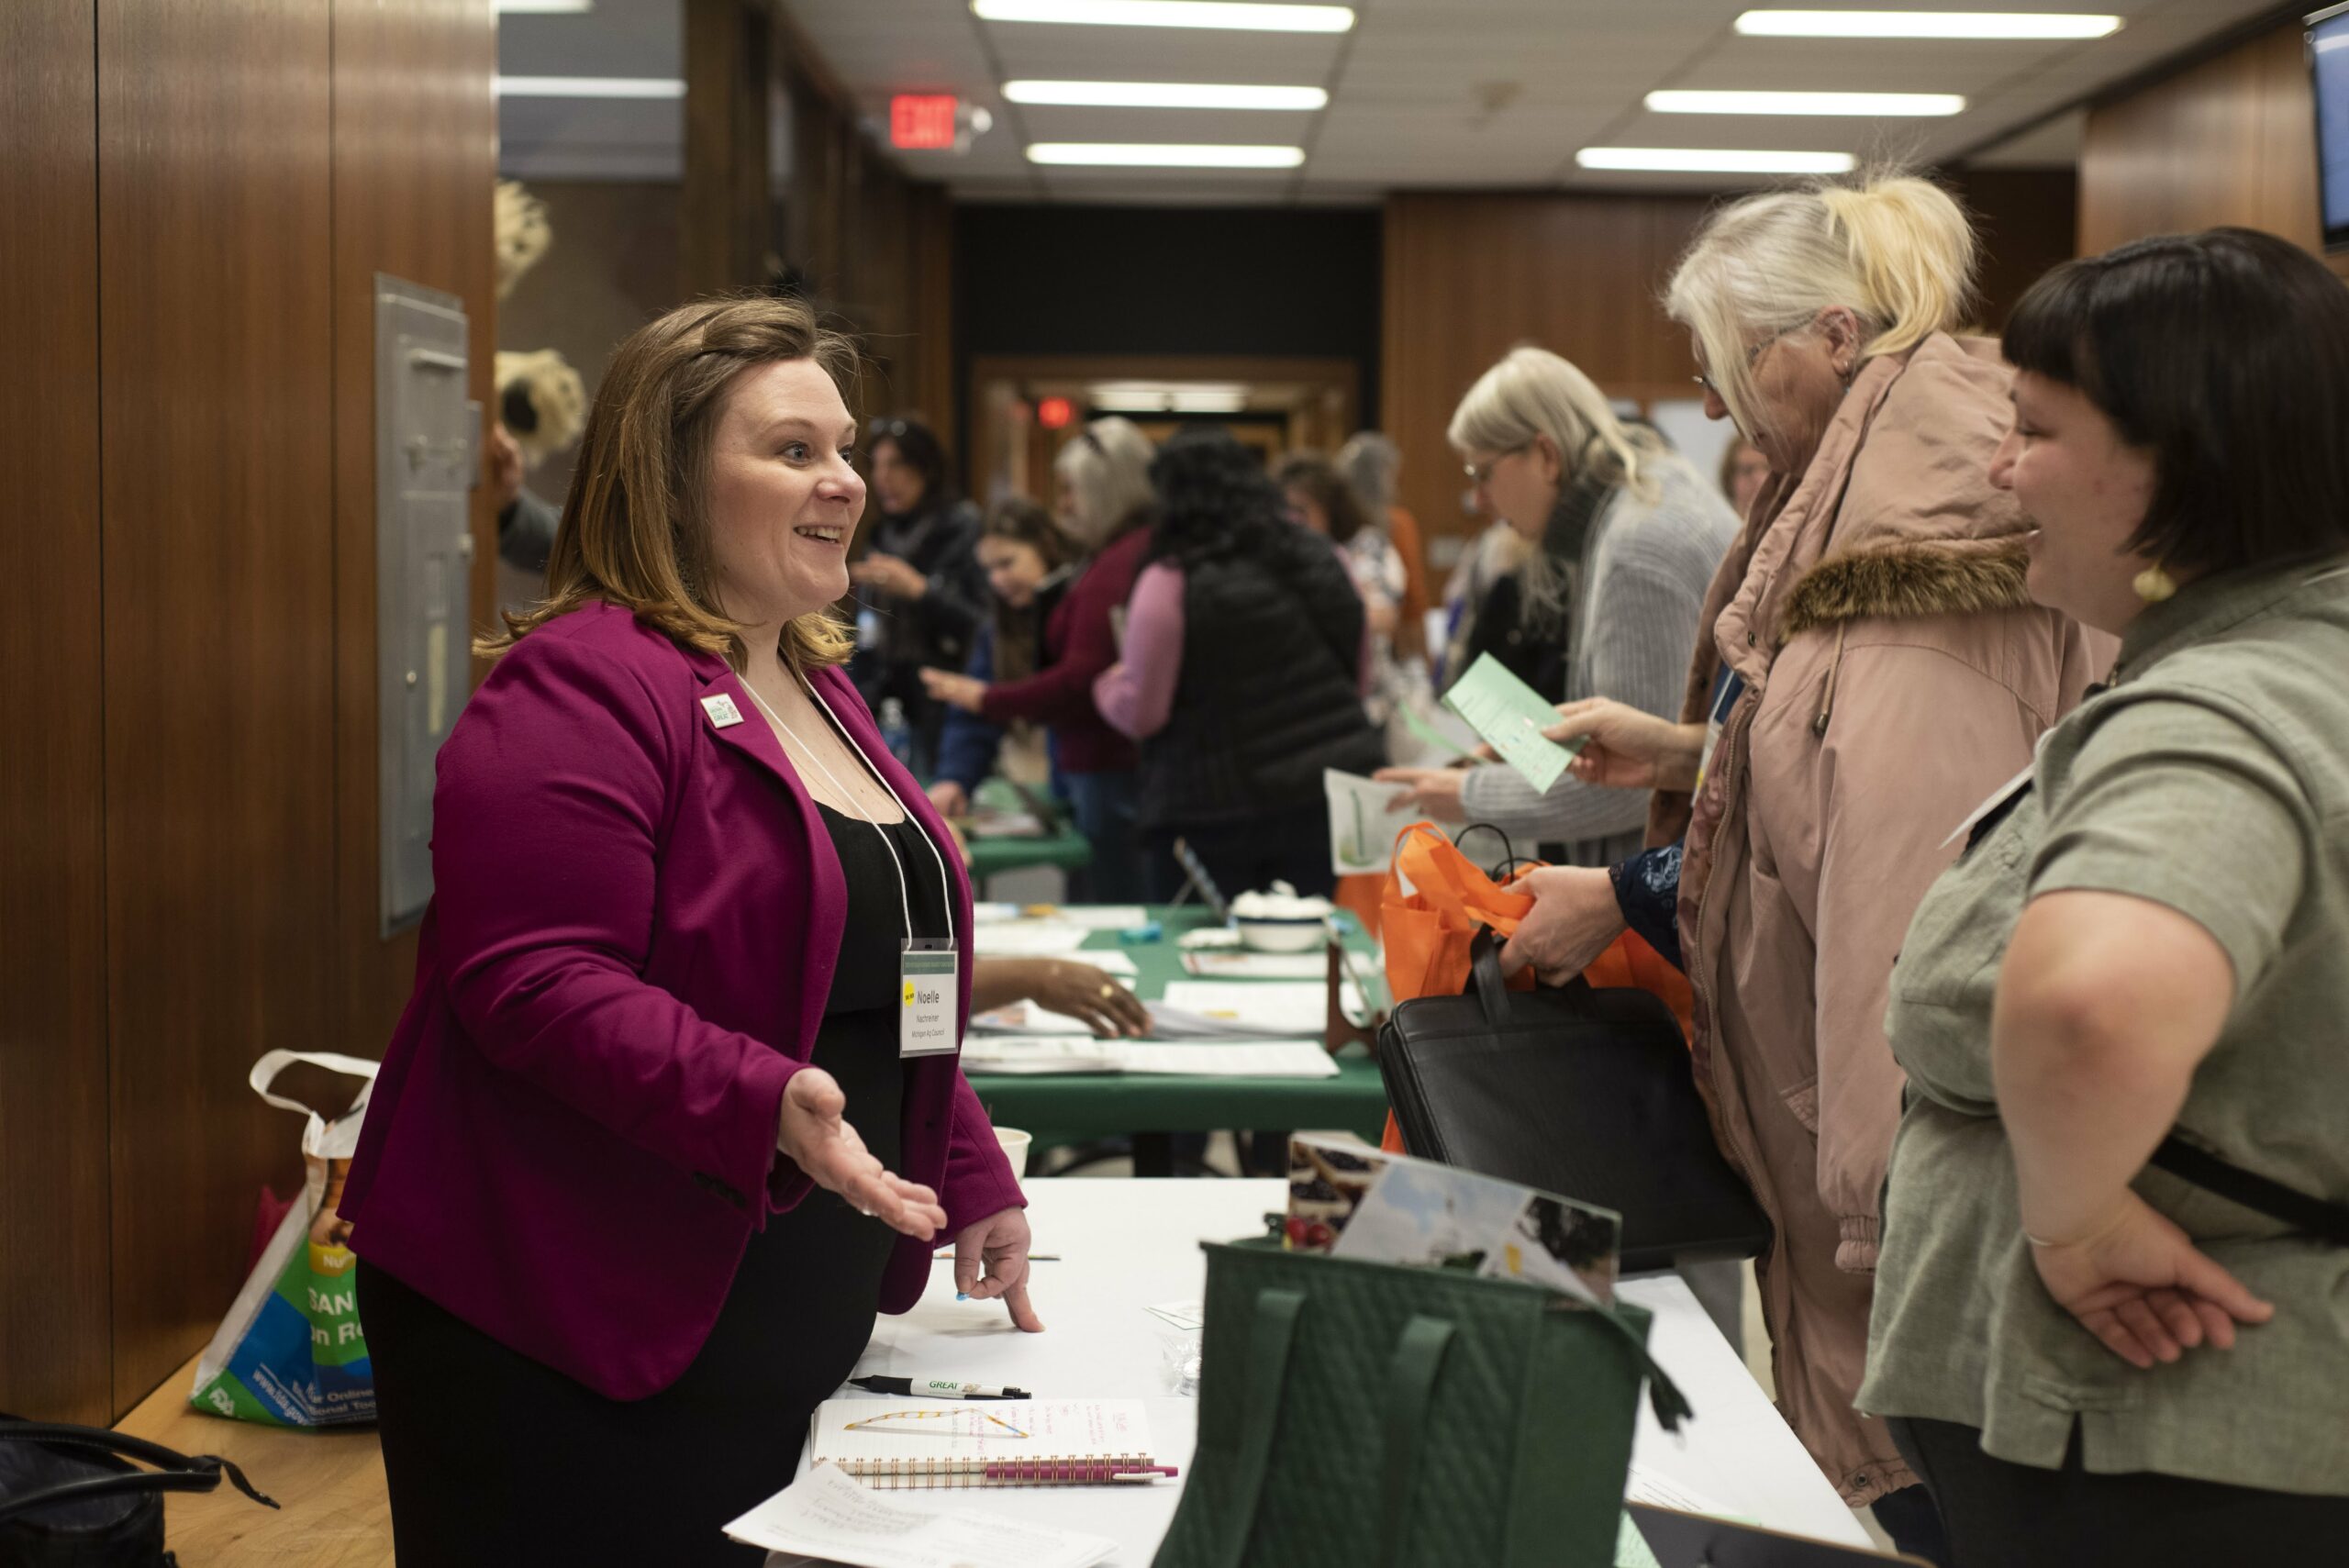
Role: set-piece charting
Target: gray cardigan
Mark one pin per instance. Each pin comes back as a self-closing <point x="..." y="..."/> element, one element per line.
<point x="1645" y="570"/>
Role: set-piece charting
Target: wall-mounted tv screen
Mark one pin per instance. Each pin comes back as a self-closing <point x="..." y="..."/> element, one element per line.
<point x="2329" y="62"/>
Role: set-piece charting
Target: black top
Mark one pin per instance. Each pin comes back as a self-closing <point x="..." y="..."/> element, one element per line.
<point x="1269" y="693"/>
<point x="874" y="935"/>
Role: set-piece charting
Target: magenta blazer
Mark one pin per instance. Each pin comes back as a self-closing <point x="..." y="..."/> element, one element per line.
<point x="635" y="917"/>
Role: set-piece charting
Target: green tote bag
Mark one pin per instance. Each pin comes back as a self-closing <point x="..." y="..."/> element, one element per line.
<point x="1357" y="1415"/>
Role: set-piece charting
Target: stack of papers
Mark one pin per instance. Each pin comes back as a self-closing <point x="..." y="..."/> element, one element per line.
<point x="1270" y="965"/>
<point x="1039" y="1055"/>
<point x="827" y="1517"/>
<point x="1294" y="1009"/>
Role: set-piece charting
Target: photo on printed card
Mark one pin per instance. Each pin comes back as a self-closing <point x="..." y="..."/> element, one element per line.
<point x="1354" y="1201"/>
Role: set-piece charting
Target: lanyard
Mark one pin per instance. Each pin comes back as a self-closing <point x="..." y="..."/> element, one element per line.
<point x="904" y="897"/>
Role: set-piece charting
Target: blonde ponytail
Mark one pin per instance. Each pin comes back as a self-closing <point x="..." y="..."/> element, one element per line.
<point x="1895" y="250"/>
<point x="1913" y="252"/>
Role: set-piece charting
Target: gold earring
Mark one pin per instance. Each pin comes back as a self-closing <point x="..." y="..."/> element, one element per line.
<point x="2153" y="584"/>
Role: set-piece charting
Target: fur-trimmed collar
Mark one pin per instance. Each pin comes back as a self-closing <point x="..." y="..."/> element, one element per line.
<point x="1902" y="581"/>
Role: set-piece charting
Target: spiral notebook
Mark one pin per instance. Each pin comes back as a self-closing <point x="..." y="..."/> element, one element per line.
<point x="892" y="1444"/>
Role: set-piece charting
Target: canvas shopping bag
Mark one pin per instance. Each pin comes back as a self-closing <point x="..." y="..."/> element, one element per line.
<point x="1363" y="1415"/>
<point x="290" y="1352"/>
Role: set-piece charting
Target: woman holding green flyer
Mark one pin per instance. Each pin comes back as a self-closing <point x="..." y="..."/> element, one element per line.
<point x="1627" y="535"/>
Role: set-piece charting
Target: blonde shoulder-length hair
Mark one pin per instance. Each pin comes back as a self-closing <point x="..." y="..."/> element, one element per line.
<point x="1895" y="250"/>
<point x="1532" y="392"/>
<point x="636" y="526"/>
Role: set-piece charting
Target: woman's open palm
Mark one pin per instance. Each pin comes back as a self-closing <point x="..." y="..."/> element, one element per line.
<point x="815" y="1135"/>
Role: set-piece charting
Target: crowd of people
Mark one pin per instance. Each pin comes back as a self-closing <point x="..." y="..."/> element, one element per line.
<point x="1975" y="743"/>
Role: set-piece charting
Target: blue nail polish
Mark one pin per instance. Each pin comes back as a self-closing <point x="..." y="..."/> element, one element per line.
<point x="962" y="1296"/>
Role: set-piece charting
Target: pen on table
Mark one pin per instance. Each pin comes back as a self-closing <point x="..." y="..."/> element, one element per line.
<point x="931" y="1387"/>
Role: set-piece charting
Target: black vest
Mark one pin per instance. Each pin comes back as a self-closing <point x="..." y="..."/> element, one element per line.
<point x="1270" y="691"/>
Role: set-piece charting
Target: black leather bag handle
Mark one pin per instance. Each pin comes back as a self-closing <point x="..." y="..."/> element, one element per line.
<point x="1491" y="986"/>
<point x="175" y="1472"/>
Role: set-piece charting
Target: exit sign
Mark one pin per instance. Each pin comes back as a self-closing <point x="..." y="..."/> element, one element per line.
<point x="919" y="121"/>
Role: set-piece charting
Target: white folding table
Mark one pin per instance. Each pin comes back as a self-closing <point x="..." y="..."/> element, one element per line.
<point x="1125" y="1246"/>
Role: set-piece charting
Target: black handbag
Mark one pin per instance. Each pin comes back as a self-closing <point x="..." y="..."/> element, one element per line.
<point x="1578" y="1090"/>
<point x="68" y="1499"/>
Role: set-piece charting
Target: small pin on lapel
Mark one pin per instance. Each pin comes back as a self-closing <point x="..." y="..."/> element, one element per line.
<point x="722" y="712"/>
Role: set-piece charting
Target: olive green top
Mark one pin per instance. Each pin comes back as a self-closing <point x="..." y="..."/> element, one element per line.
<point x="2212" y="777"/>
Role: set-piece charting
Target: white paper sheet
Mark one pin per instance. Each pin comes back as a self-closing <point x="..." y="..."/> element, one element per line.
<point x="827" y="1516"/>
<point x="1362" y="825"/>
<point x="1029" y="1055"/>
<point x="1231" y="1059"/>
<point x="1033" y="1055"/>
<point x="1027" y="939"/>
<point x="1101" y="917"/>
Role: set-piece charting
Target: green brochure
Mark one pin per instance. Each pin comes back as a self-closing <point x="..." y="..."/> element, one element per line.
<point x="1510" y="715"/>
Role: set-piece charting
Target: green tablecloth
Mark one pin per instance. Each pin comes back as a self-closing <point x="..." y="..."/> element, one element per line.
<point x="1080" y="1106"/>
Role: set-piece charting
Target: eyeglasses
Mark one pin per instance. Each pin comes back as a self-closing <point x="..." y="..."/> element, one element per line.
<point x="886" y="429"/>
<point x="1481" y="473"/>
<point x="1752" y="357"/>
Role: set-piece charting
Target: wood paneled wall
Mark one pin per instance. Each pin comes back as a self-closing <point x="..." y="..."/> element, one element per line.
<point x="186" y="816"/>
<point x="2229" y="140"/>
<point x="1469" y="276"/>
<point x="215" y="374"/>
<point x="2027" y="220"/>
<point x="55" y="1285"/>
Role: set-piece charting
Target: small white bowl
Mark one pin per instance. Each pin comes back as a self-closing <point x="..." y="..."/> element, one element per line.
<point x="1293" y="933"/>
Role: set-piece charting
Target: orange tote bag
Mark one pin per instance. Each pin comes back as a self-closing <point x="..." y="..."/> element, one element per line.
<point x="1435" y="900"/>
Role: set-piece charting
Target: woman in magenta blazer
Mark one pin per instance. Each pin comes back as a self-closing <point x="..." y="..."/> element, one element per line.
<point x="645" y="1156"/>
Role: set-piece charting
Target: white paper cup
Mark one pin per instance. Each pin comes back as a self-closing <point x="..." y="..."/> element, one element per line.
<point x="1015" y="1147"/>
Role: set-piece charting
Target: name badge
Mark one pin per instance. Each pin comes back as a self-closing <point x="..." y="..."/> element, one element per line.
<point x="928" y="980"/>
<point x="723" y="714"/>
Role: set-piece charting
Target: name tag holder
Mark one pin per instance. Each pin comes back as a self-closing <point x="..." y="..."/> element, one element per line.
<point x="930" y="982"/>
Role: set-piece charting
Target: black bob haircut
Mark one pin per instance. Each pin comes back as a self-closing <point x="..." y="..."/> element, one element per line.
<point x="2225" y="354"/>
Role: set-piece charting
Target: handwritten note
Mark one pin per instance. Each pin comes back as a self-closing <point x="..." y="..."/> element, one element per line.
<point x="1510" y="715"/>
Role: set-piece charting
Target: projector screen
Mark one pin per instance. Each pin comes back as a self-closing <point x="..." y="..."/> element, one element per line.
<point x="2329" y="62"/>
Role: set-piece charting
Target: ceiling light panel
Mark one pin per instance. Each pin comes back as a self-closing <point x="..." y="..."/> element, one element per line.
<point x="1164" y="96"/>
<point x="1715" y="160"/>
<point x="1226" y="14"/>
<point x="1926" y="24"/>
<point x="1872" y="105"/>
<point x="1163" y="155"/>
<point x="588" y="87"/>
